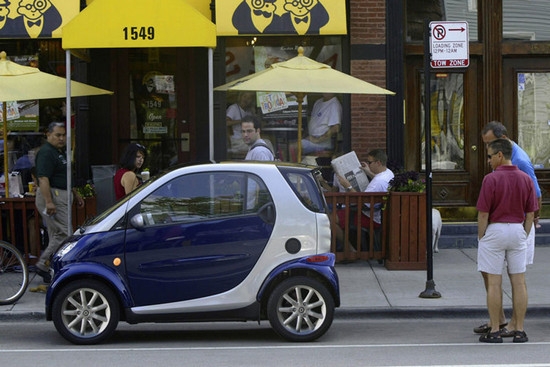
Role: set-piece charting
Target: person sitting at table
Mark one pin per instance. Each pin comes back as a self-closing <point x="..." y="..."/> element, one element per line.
<point x="324" y="125"/>
<point x="376" y="163"/>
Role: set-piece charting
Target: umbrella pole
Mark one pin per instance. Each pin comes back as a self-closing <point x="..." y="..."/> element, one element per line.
<point x="68" y="113"/>
<point x="211" y="104"/>
<point x="299" y="99"/>
<point x="5" y="137"/>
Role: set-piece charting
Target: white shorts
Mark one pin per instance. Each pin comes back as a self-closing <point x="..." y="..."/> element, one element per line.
<point x="530" y="255"/>
<point x="502" y="242"/>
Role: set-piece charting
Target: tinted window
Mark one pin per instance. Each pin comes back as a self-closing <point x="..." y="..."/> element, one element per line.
<point x="306" y="188"/>
<point x="205" y="195"/>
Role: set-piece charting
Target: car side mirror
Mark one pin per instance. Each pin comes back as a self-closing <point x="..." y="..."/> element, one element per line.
<point x="138" y="222"/>
<point x="141" y="220"/>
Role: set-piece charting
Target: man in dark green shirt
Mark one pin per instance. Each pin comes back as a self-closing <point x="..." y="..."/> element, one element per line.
<point x="52" y="196"/>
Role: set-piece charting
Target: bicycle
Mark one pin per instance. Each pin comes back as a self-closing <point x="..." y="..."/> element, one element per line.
<point x="14" y="274"/>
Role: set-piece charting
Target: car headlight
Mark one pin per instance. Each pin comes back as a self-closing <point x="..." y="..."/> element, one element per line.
<point x="66" y="248"/>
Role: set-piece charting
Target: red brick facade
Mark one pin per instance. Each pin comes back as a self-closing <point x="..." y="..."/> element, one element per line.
<point x="368" y="112"/>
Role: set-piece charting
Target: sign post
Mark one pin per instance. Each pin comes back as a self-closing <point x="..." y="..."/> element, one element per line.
<point x="449" y="46"/>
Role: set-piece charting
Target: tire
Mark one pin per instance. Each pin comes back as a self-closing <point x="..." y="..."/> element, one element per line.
<point x="300" y="309"/>
<point x="14" y="274"/>
<point x="86" y="312"/>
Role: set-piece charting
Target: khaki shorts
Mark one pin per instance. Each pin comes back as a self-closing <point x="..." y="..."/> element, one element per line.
<point x="502" y="242"/>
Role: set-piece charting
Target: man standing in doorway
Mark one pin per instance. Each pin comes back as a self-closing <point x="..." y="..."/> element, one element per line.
<point x="506" y="207"/>
<point x="52" y="196"/>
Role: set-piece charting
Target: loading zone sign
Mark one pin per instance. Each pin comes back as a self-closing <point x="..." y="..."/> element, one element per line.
<point x="449" y="45"/>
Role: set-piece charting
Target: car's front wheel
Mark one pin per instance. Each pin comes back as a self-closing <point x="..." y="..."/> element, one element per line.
<point x="300" y="309"/>
<point x="85" y="312"/>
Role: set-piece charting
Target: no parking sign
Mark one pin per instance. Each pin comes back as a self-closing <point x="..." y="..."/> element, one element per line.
<point x="449" y="45"/>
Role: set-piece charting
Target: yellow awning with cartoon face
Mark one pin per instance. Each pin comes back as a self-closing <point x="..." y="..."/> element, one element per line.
<point x="281" y="17"/>
<point x="139" y="23"/>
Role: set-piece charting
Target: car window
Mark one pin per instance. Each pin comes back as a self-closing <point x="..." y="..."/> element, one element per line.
<point x="204" y="195"/>
<point x="306" y="188"/>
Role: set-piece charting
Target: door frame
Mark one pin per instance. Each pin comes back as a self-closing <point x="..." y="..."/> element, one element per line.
<point x="455" y="190"/>
<point x="512" y="66"/>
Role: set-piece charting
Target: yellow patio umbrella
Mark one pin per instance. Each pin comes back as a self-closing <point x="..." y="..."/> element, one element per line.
<point x="301" y="75"/>
<point x="20" y="83"/>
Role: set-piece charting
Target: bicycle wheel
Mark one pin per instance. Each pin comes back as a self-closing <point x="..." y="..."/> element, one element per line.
<point x="14" y="275"/>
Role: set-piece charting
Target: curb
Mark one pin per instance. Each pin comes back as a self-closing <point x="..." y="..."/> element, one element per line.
<point x="430" y="312"/>
<point x="22" y="316"/>
<point x="358" y="312"/>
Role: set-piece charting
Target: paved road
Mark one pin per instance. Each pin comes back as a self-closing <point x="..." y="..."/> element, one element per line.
<point x="350" y="342"/>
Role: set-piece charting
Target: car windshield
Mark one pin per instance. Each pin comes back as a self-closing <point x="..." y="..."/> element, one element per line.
<point x="98" y="218"/>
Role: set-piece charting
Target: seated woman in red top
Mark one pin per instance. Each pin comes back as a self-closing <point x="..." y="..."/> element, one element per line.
<point x="126" y="178"/>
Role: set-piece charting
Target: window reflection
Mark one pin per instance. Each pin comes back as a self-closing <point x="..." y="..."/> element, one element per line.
<point x="526" y="20"/>
<point x="447" y="121"/>
<point x="534" y="117"/>
<point x="201" y="196"/>
<point x="438" y="10"/>
<point x="279" y="121"/>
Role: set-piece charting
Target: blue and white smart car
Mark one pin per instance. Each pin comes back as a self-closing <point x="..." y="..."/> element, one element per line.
<point x="215" y="242"/>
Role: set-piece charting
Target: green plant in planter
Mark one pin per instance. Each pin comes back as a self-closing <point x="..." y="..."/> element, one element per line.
<point x="86" y="191"/>
<point x="407" y="181"/>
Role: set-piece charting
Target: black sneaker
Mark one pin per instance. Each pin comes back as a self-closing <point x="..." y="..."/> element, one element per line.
<point x="46" y="276"/>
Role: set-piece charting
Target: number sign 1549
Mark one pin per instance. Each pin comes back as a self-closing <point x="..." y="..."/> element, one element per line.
<point x="134" y="33"/>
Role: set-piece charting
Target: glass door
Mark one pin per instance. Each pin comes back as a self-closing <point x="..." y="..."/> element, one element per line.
<point x="533" y="116"/>
<point x="456" y="147"/>
<point x="526" y="114"/>
<point x="153" y="105"/>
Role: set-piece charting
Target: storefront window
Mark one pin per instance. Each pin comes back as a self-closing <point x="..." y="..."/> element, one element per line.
<point x="27" y="120"/>
<point x="247" y="55"/>
<point x="153" y="105"/>
<point x="440" y="10"/>
<point x="526" y="20"/>
<point x="447" y="121"/>
<point x="534" y="117"/>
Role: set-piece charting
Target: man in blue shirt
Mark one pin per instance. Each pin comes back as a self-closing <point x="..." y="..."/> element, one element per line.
<point x="492" y="131"/>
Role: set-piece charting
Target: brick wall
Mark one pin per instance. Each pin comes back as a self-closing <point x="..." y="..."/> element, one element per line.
<point x="368" y="21"/>
<point x="368" y="112"/>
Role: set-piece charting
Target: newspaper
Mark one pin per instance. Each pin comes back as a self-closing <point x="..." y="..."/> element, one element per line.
<point x="349" y="167"/>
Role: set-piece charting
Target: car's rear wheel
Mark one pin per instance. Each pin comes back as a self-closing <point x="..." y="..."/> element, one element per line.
<point x="86" y="312"/>
<point x="300" y="309"/>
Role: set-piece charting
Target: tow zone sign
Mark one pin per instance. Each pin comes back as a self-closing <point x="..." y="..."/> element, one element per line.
<point x="449" y="46"/>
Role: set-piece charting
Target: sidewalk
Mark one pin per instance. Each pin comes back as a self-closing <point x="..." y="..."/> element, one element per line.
<point x="368" y="289"/>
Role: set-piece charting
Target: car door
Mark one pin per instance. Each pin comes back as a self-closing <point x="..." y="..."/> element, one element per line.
<point x="198" y="235"/>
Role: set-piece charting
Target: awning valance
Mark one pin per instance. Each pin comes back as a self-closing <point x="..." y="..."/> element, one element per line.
<point x="281" y="17"/>
<point x="139" y="23"/>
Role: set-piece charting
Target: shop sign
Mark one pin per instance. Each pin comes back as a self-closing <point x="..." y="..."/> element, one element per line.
<point x="154" y="128"/>
<point x="281" y="17"/>
<point x="23" y="115"/>
<point x="271" y="102"/>
<point x="139" y="23"/>
<point x="36" y="18"/>
<point x="449" y="45"/>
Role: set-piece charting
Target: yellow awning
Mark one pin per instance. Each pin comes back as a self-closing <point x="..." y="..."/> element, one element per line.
<point x="139" y="23"/>
<point x="281" y="17"/>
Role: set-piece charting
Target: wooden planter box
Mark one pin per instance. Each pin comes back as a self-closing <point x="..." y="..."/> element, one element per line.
<point x="406" y="228"/>
<point x="81" y="214"/>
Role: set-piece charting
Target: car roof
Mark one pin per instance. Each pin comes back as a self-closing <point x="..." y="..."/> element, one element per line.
<point x="242" y="163"/>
